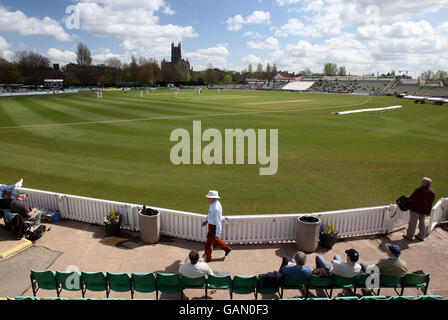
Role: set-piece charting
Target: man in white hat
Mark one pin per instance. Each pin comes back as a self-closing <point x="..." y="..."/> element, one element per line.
<point x="213" y="220"/>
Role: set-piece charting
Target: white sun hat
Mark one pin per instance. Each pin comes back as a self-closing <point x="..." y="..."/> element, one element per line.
<point x="212" y="194"/>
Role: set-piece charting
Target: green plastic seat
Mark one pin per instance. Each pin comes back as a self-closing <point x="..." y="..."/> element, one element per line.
<point x="430" y="297"/>
<point x="350" y="298"/>
<point x="219" y="283"/>
<point x="194" y="283"/>
<point x="292" y="284"/>
<point x="340" y="282"/>
<point x="374" y="298"/>
<point x="144" y="283"/>
<point x="388" y="281"/>
<point x="320" y="299"/>
<point x="83" y="299"/>
<point x="94" y="281"/>
<point x="244" y="285"/>
<point x="361" y="281"/>
<point x="261" y="288"/>
<point x="399" y="298"/>
<point x="169" y="283"/>
<point x="54" y="298"/>
<point x="320" y="283"/>
<point x="69" y="280"/>
<point x="119" y="282"/>
<point x="26" y="298"/>
<point x="414" y="280"/>
<point x="43" y="280"/>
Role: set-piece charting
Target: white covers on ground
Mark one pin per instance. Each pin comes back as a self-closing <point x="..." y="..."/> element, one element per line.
<point x="369" y="110"/>
<point x="298" y="85"/>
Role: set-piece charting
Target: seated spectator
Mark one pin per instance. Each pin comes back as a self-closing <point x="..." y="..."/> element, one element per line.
<point x="10" y="187"/>
<point x="393" y="266"/>
<point x="195" y="268"/>
<point x="20" y="206"/>
<point x="13" y="221"/>
<point x="347" y="269"/>
<point x="5" y="201"/>
<point x="297" y="271"/>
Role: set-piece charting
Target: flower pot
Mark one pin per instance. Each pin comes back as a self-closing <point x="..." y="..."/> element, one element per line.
<point x="113" y="229"/>
<point x="328" y="241"/>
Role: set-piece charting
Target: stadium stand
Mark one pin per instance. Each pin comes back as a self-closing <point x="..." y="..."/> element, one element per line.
<point x="370" y="87"/>
<point x="298" y="86"/>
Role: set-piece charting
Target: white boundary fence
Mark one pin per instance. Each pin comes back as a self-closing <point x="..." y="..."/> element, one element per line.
<point x="236" y="229"/>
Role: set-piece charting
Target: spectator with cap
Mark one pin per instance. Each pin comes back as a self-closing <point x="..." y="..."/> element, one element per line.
<point x="213" y="220"/>
<point x="347" y="269"/>
<point x="21" y="207"/>
<point x="393" y="265"/>
<point x="195" y="268"/>
<point x="420" y="205"/>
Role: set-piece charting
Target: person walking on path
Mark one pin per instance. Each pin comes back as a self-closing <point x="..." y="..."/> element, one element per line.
<point x="213" y="220"/>
<point x="420" y="205"/>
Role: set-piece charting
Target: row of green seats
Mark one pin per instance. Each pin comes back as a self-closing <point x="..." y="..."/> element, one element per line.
<point x="351" y="298"/>
<point x="173" y="283"/>
<point x="367" y="298"/>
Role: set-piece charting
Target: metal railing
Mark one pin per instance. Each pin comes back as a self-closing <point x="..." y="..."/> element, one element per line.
<point x="237" y="228"/>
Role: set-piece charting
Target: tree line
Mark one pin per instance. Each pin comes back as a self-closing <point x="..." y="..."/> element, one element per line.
<point x="31" y="68"/>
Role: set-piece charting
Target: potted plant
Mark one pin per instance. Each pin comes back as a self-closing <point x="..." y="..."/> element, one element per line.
<point x="328" y="236"/>
<point x="112" y="223"/>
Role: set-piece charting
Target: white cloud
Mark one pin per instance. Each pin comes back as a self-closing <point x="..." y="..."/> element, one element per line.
<point x="169" y="11"/>
<point x="61" y="57"/>
<point x="216" y="55"/>
<point x="281" y="3"/>
<point x="151" y="5"/>
<point x="103" y="55"/>
<point x="3" y="44"/>
<point x="257" y="17"/>
<point x="295" y="27"/>
<point x="252" y="59"/>
<point x="270" y="43"/>
<point x="331" y="17"/>
<point x="252" y="34"/>
<point x="19" y="22"/>
<point x="4" y="52"/>
<point x="135" y="23"/>
<point x="411" y="46"/>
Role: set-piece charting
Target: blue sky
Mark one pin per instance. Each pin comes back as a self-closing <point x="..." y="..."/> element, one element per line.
<point x="365" y="36"/>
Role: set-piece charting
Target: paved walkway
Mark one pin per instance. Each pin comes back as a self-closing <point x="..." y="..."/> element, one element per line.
<point x="86" y="246"/>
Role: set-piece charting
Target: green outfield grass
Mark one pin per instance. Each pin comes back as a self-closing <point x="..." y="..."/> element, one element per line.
<point x="118" y="148"/>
